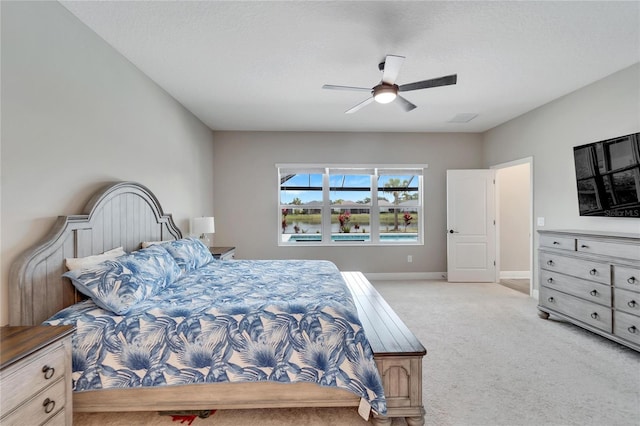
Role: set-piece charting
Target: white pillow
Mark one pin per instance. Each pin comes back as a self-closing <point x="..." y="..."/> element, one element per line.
<point x="74" y="263"/>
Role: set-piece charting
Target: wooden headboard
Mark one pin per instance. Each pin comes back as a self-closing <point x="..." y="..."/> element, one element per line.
<point x="120" y="214"/>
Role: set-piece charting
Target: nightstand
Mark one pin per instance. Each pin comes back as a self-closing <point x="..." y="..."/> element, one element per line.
<point x="223" y="253"/>
<point x="35" y="375"/>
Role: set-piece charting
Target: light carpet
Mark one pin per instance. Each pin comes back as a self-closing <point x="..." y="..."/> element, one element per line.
<point x="490" y="361"/>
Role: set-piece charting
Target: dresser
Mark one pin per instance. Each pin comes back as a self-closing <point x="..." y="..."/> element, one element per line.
<point x="35" y="376"/>
<point x="592" y="279"/>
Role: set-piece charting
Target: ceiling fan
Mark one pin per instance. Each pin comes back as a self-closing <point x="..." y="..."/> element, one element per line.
<point x="387" y="90"/>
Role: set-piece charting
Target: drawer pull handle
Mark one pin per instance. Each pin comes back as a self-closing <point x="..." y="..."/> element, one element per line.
<point x="594" y="271"/>
<point x="48" y="372"/>
<point x="631" y="303"/>
<point x="594" y="292"/>
<point x="594" y="315"/>
<point x="550" y="262"/>
<point x="631" y="280"/>
<point x="551" y="299"/>
<point x="556" y="243"/>
<point x="549" y="280"/>
<point x="49" y="405"/>
<point x="632" y="329"/>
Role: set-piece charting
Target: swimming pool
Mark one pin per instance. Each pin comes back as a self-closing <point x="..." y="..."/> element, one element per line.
<point x="408" y="237"/>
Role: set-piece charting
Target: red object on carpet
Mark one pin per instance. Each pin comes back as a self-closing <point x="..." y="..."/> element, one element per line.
<point x="188" y="418"/>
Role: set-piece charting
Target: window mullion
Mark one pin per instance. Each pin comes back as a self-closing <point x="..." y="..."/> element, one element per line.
<point x="421" y="210"/>
<point x="375" y="211"/>
<point x="326" y="209"/>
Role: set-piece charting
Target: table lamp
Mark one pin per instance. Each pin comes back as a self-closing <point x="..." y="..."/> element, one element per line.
<point x="202" y="226"/>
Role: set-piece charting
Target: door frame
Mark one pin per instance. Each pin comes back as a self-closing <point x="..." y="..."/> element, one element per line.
<point x="526" y="160"/>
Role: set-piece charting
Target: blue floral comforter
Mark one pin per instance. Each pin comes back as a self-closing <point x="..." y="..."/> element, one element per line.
<point x="235" y="321"/>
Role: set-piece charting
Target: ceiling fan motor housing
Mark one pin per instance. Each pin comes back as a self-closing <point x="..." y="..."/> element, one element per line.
<point x="384" y="93"/>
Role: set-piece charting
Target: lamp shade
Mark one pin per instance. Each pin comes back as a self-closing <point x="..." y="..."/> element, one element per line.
<point x="203" y="225"/>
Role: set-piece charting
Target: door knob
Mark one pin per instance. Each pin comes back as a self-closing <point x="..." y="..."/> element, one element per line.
<point x="451" y="231"/>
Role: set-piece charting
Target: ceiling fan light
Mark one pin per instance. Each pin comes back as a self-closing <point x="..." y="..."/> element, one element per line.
<point x="385" y="93"/>
<point x="385" y="97"/>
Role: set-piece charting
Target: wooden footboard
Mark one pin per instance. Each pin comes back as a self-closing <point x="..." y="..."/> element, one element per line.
<point x="397" y="352"/>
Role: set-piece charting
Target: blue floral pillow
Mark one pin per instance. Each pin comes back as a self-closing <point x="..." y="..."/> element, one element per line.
<point x="189" y="253"/>
<point x="155" y="263"/>
<point x="118" y="285"/>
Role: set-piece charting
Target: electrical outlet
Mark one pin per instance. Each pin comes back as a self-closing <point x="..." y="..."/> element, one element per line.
<point x="409" y="259"/>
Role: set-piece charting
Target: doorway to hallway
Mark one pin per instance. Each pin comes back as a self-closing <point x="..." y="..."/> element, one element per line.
<point x="514" y="213"/>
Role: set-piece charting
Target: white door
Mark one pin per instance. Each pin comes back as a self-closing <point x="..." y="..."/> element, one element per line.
<point x="471" y="230"/>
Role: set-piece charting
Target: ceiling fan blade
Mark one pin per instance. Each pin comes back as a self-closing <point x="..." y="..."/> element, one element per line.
<point x="405" y="104"/>
<point x="360" y="105"/>
<point x="334" y="87"/>
<point x="392" y="64"/>
<point x="425" y="84"/>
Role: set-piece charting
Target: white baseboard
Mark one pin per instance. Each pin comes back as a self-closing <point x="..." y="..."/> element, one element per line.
<point x="405" y="276"/>
<point x="397" y="276"/>
<point x="505" y="275"/>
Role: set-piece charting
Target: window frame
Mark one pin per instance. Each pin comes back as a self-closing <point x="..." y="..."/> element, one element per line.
<point x="374" y="171"/>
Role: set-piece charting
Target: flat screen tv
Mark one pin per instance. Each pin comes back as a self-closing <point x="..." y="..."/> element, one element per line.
<point x="608" y="177"/>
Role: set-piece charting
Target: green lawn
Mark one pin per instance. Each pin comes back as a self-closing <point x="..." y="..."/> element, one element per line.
<point x="386" y="219"/>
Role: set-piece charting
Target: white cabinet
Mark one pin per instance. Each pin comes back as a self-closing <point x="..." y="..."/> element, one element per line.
<point x="592" y="279"/>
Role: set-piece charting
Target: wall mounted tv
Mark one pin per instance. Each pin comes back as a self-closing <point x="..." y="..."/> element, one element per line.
<point x="608" y="177"/>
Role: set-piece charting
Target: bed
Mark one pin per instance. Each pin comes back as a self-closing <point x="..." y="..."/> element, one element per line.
<point x="126" y="214"/>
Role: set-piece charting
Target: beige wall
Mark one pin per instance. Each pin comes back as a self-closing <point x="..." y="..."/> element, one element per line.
<point x="604" y="109"/>
<point x="245" y="190"/>
<point x="76" y="114"/>
<point x="514" y="208"/>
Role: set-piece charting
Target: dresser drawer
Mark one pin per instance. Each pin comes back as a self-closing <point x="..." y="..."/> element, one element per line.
<point x="627" y="327"/>
<point x="40" y="408"/>
<point x="627" y="301"/>
<point x="581" y="268"/>
<point x="588" y="290"/>
<point x="624" y="251"/>
<point x="58" y="420"/>
<point x="557" y="242"/>
<point x="595" y="315"/>
<point x="627" y="278"/>
<point x="22" y="381"/>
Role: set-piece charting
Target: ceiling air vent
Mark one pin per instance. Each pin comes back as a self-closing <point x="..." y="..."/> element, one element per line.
<point x="463" y="117"/>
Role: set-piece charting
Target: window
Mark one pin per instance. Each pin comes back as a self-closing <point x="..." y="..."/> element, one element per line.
<point x="350" y="205"/>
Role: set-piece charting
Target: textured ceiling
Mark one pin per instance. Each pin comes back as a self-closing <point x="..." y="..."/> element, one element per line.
<point x="261" y="65"/>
